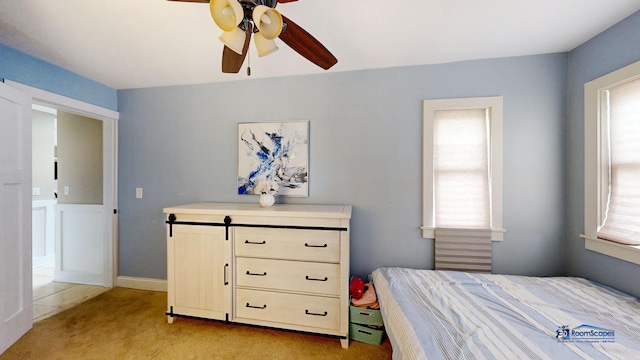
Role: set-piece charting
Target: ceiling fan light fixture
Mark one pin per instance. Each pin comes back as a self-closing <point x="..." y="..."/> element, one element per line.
<point x="226" y="13"/>
<point x="234" y="39"/>
<point x="268" y="21"/>
<point x="263" y="45"/>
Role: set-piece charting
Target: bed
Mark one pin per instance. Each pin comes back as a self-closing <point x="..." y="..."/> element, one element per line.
<point x="431" y="314"/>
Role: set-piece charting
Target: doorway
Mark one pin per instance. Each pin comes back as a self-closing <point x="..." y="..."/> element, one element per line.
<point x="67" y="207"/>
<point x="108" y="215"/>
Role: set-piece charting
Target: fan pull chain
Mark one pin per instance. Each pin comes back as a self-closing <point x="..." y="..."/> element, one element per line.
<point x="248" y="63"/>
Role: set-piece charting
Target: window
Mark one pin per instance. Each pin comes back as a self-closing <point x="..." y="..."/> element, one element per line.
<point x="462" y="165"/>
<point x="612" y="164"/>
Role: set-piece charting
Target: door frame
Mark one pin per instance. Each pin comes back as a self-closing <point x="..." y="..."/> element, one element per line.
<point x="110" y="163"/>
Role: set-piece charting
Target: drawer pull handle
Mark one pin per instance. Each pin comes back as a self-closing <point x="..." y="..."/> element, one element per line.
<point x="255" y="243"/>
<point x="364" y="332"/>
<point x="314" y="279"/>
<point x="256" y="307"/>
<point x="307" y="312"/>
<point x="316" y="246"/>
<point x="256" y="274"/>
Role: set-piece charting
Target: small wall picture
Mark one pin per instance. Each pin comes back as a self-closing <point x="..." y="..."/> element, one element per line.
<point x="275" y="151"/>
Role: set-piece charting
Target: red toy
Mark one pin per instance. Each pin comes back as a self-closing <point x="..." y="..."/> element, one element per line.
<point x="356" y="288"/>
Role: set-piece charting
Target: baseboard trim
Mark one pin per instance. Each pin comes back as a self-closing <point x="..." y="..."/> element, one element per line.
<point x="142" y="283"/>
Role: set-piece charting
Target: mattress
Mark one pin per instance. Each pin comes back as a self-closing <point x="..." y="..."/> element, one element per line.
<point x="456" y="315"/>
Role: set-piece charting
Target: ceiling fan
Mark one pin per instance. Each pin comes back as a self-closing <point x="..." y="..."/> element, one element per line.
<point x="239" y="19"/>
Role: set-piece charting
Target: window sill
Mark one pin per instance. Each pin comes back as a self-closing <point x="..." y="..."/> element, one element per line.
<point x="630" y="253"/>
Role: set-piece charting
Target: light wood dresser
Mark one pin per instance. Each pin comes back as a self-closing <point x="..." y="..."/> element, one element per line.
<point x="285" y="266"/>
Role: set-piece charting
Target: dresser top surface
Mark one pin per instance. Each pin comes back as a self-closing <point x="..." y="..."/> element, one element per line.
<point x="290" y="210"/>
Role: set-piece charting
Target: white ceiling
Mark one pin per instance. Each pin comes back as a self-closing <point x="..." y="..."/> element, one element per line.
<point x="146" y="43"/>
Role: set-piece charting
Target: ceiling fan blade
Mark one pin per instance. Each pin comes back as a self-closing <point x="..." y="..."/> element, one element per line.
<point x="231" y="60"/>
<point x="306" y="45"/>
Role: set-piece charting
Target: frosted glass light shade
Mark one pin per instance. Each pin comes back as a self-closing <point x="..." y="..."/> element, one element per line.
<point x="263" y="45"/>
<point x="234" y="39"/>
<point x="268" y="21"/>
<point x="226" y="13"/>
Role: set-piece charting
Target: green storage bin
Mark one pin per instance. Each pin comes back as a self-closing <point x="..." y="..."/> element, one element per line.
<point x="365" y="316"/>
<point x="366" y="334"/>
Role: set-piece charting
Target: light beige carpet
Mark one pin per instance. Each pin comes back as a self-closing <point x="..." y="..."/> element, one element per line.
<point x="130" y="324"/>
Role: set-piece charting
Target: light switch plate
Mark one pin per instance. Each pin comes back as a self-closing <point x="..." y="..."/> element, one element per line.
<point x="138" y="193"/>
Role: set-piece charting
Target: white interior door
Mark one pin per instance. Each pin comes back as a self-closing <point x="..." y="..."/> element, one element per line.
<point x="16" y="307"/>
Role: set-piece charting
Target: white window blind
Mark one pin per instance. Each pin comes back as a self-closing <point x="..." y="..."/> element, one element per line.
<point x="461" y="169"/>
<point x="622" y="222"/>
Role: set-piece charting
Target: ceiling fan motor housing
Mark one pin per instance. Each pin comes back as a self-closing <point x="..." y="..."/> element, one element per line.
<point x="250" y="4"/>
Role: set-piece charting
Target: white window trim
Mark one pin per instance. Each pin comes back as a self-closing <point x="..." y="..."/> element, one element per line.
<point x="494" y="104"/>
<point x="596" y="164"/>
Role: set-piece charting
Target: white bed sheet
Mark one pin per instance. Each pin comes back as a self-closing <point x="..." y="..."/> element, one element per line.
<point x="455" y="315"/>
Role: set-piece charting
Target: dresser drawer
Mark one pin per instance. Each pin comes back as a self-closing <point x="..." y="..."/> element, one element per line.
<point x="289" y="244"/>
<point x="305" y="310"/>
<point x="299" y="276"/>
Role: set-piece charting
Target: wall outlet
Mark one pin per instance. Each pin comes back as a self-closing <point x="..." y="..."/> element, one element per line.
<point x="35" y="191"/>
<point x="66" y="190"/>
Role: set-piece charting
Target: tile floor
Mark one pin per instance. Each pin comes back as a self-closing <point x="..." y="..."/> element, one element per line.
<point x="51" y="297"/>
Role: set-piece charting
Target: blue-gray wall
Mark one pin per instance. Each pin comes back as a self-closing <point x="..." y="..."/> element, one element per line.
<point x="180" y="145"/>
<point x="28" y="70"/>
<point x="615" y="48"/>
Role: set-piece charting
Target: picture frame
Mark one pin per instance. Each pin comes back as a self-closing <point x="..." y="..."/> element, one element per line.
<point x="274" y="151"/>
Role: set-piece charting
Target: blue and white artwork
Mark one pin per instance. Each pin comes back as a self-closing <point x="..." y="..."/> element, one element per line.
<point x="276" y="151"/>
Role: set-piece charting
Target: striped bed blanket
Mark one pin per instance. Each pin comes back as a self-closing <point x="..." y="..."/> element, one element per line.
<point x="456" y="315"/>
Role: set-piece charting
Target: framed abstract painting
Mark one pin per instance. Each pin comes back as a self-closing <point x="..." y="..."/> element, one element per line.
<point x="274" y="151"/>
